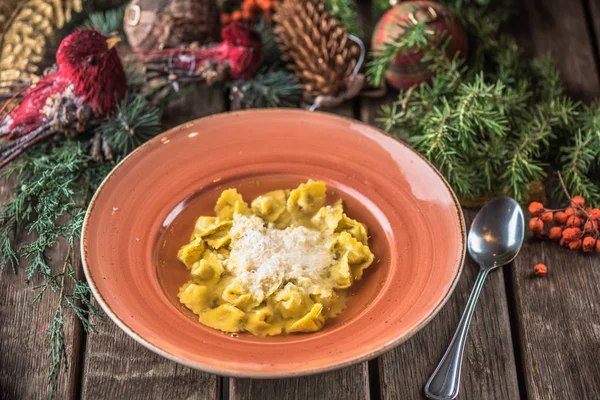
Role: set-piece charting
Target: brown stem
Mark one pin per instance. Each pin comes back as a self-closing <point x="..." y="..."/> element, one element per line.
<point x="562" y="183"/>
<point x="64" y="271"/>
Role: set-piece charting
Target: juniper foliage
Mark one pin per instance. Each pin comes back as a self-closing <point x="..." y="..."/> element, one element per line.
<point x="495" y="122"/>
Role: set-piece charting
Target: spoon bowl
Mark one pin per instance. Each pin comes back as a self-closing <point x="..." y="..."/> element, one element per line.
<point x="497" y="233"/>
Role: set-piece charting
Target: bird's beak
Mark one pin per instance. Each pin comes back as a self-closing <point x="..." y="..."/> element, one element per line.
<point x="112" y="42"/>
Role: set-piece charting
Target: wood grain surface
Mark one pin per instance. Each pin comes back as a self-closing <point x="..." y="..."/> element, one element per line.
<point x="530" y="338"/>
<point x="347" y="384"/>
<point x="559" y="28"/>
<point x="558" y="317"/>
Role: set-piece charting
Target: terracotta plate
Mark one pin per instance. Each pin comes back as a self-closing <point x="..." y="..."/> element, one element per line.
<point x="146" y="208"/>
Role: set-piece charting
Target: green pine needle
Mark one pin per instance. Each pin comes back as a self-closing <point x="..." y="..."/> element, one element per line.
<point x="267" y="89"/>
<point x="135" y="122"/>
<point x="495" y="122"/>
<point x="270" y="50"/>
<point x="379" y="7"/>
<point x="345" y="12"/>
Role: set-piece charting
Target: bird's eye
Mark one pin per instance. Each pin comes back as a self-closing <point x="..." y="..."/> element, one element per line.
<point x="91" y="60"/>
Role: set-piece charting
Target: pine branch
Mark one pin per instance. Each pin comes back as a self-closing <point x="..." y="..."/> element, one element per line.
<point x="577" y="160"/>
<point x="267" y="89"/>
<point x="271" y="52"/>
<point x="135" y="122"/>
<point x="379" y="7"/>
<point x="345" y="12"/>
<point x="489" y="123"/>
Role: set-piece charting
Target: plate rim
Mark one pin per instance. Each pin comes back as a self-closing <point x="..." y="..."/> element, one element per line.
<point x="262" y="374"/>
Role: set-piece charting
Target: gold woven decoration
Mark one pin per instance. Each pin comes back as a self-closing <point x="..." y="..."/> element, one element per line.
<point x="316" y="46"/>
<point x="26" y="26"/>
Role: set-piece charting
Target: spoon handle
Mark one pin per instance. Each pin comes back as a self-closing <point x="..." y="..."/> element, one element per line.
<point x="444" y="382"/>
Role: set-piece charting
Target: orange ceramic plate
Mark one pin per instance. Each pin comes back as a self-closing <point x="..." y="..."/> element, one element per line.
<point x="146" y="208"/>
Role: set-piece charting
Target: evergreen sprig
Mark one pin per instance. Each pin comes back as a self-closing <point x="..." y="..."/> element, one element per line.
<point x="345" y="12"/>
<point x="278" y="88"/>
<point x="54" y="183"/>
<point x="135" y="122"/>
<point x="379" y="7"/>
<point x="495" y="122"/>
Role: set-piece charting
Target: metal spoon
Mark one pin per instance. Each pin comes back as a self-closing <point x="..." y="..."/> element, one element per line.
<point x="495" y="239"/>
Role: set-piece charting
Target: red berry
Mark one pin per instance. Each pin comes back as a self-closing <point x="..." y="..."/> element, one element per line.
<point x="595" y="214"/>
<point x="560" y="218"/>
<point x="547" y="216"/>
<point x="571" y="234"/>
<point x="574" y="245"/>
<point x="590" y="226"/>
<point x="535" y="208"/>
<point x="536" y="225"/>
<point x="589" y="244"/>
<point x="555" y="233"/>
<point x="574" y="221"/>
<point x="578" y="201"/>
<point x="569" y="211"/>
<point x="540" y="270"/>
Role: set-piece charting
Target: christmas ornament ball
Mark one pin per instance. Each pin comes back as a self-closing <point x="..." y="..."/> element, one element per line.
<point x="155" y="24"/>
<point x="408" y="69"/>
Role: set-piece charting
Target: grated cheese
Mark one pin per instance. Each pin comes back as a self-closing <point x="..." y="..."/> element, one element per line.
<point x="264" y="258"/>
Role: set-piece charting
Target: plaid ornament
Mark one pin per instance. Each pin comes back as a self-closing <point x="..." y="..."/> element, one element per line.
<point x="407" y="69"/>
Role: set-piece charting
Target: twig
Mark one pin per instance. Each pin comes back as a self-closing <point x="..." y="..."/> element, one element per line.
<point x="562" y="183"/>
<point x="64" y="271"/>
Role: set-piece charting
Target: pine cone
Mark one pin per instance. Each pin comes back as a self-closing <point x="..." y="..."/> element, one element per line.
<point x="154" y="24"/>
<point x="316" y="46"/>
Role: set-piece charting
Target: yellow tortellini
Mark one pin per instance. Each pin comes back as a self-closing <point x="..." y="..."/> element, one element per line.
<point x="220" y="292"/>
<point x="306" y="200"/>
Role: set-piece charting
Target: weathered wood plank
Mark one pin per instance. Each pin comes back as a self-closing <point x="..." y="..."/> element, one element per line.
<point x="24" y="361"/>
<point x="116" y="367"/>
<point x="558" y="318"/>
<point x="559" y="29"/>
<point x="348" y="383"/>
<point x="559" y="322"/>
<point x="593" y="7"/>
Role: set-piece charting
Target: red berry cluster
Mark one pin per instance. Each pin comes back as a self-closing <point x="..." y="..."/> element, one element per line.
<point x="576" y="227"/>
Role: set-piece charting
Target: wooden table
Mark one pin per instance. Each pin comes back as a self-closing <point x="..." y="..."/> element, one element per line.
<point x="530" y="338"/>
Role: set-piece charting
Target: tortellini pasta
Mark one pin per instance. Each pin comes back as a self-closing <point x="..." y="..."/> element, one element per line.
<point x="275" y="292"/>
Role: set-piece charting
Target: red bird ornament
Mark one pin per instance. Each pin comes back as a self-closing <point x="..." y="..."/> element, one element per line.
<point x="86" y="85"/>
<point x="237" y="57"/>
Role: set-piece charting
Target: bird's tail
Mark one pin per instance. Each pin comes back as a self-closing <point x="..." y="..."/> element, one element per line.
<point x="12" y="99"/>
<point x="11" y="149"/>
